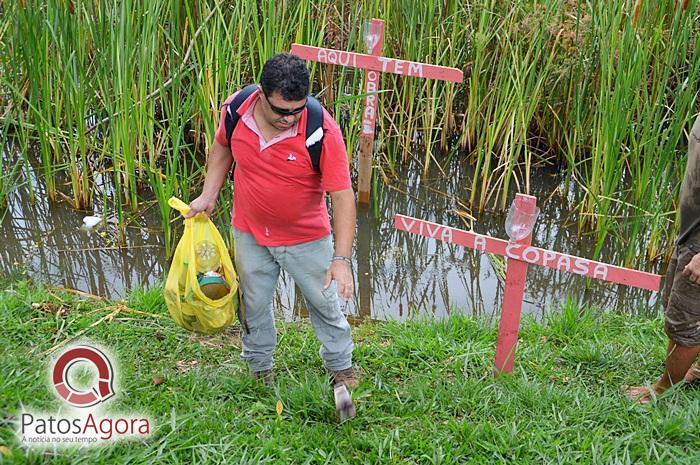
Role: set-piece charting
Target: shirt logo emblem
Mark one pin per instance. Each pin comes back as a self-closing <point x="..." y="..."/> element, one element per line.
<point x="291" y="157"/>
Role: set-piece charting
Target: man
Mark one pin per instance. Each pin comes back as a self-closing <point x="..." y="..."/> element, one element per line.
<point x="280" y="219"/>
<point x="682" y="287"/>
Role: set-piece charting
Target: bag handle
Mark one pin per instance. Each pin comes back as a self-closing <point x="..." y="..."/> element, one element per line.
<point x="179" y="205"/>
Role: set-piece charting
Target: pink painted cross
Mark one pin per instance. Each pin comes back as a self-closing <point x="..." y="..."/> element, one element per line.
<point x="375" y="64"/>
<point x="520" y="255"/>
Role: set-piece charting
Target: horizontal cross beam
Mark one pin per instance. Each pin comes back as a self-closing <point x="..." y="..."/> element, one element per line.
<point x="530" y="254"/>
<point x="377" y="63"/>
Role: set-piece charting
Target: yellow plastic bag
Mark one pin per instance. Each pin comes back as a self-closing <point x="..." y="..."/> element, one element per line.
<point x="201" y="291"/>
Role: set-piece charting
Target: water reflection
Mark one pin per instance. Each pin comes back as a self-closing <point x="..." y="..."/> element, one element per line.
<point x="402" y="276"/>
<point x="46" y="240"/>
<point x="398" y="275"/>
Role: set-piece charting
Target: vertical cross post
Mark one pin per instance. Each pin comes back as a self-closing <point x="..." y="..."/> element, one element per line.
<point x="520" y="254"/>
<point x="516" y="273"/>
<point x="374" y="63"/>
<point x="369" y="116"/>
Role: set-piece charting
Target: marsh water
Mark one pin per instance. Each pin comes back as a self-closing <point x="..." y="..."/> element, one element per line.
<point x="398" y="275"/>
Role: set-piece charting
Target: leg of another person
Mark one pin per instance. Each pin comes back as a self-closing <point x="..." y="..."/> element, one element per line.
<point x="678" y="363"/>
<point x="682" y="326"/>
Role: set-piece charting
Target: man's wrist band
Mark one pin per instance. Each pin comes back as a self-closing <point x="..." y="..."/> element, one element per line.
<point x="345" y="259"/>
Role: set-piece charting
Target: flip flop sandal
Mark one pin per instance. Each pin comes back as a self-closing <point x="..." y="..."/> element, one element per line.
<point x="694" y="372"/>
<point x="640" y="394"/>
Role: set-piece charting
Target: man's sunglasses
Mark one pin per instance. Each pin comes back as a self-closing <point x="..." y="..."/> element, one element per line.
<point x="284" y="111"/>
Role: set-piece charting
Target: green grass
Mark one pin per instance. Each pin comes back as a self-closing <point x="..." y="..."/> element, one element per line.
<point x="427" y="395"/>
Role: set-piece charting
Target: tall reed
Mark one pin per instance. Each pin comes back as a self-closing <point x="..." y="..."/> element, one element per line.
<point x="131" y="91"/>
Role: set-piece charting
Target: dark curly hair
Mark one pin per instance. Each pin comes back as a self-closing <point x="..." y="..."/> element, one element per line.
<point x="286" y="74"/>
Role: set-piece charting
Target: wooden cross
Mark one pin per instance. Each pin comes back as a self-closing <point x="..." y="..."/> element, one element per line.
<point x="374" y="64"/>
<point x="520" y="255"/>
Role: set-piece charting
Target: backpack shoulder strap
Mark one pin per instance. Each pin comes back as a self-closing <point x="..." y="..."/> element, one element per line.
<point x="314" y="131"/>
<point x="232" y="107"/>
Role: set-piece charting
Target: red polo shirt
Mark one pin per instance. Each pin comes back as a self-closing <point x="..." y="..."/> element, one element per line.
<point x="278" y="197"/>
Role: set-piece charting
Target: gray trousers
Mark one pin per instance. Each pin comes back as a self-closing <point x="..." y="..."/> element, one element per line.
<point x="258" y="269"/>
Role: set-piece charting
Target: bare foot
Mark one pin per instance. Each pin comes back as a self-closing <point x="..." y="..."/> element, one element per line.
<point x="693" y="374"/>
<point x="640" y="394"/>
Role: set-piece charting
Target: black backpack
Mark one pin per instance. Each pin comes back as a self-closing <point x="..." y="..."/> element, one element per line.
<point x="314" y="123"/>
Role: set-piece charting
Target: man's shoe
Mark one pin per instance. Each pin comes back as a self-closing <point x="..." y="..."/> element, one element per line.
<point x="266" y="376"/>
<point x="347" y="377"/>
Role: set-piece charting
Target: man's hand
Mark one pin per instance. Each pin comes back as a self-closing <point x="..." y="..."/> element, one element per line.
<point x="202" y="204"/>
<point x="692" y="269"/>
<point x="341" y="272"/>
<point x="344" y="230"/>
